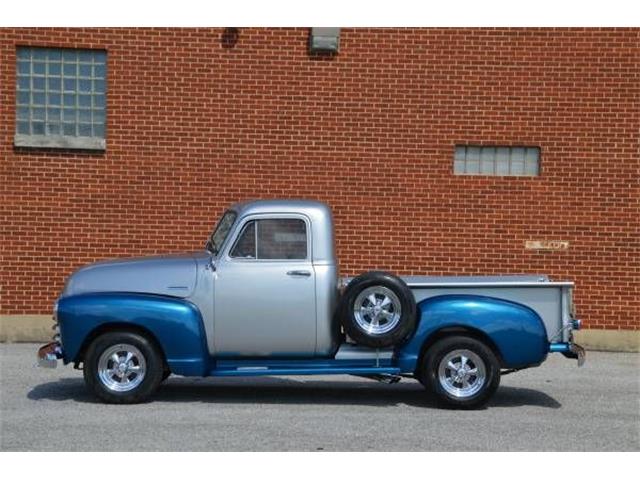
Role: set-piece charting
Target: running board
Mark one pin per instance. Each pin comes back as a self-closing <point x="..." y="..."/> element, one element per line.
<point x="349" y="360"/>
<point x="254" y="371"/>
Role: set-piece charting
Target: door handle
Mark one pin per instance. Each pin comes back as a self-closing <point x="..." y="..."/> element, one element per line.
<point x="299" y="273"/>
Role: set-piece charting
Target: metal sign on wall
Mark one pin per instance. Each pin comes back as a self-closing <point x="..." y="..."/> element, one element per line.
<point x="546" y="245"/>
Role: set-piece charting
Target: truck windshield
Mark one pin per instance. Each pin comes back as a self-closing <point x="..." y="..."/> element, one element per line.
<point x="221" y="231"/>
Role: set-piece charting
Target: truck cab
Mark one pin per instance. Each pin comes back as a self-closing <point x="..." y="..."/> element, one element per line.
<point x="264" y="297"/>
<point x="275" y="281"/>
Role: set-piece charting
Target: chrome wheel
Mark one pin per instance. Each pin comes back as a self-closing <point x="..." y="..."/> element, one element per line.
<point x="462" y="373"/>
<point x="377" y="310"/>
<point x="121" y="367"/>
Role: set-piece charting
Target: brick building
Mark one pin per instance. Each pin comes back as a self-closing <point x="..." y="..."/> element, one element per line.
<point x="441" y="151"/>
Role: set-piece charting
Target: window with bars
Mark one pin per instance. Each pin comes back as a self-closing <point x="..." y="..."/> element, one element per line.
<point x="60" y="98"/>
<point x="496" y="160"/>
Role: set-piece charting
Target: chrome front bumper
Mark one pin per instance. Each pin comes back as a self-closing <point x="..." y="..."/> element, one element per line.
<point x="49" y="354"/>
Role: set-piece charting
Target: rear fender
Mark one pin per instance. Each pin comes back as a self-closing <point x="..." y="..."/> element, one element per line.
<point x="514" y="330"/>
<point x="175" y="324"/>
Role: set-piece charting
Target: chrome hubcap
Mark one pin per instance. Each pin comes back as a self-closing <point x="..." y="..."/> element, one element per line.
<point x="462" y="373"/>
<point x="377" y="310"/>
<point x="121" y="367"/>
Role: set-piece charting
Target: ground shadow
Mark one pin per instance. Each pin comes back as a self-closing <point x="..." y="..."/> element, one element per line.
<point x="268" y="390"/>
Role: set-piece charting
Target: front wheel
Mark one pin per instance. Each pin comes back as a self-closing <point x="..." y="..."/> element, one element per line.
<point x="123" y="367"/>
<point x="461" y="371"/>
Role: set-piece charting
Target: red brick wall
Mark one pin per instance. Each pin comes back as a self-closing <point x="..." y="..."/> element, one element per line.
<point x="194" y="124"/>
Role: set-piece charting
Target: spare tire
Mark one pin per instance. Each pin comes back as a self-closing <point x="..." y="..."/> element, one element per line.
<point x="377" y="310"/>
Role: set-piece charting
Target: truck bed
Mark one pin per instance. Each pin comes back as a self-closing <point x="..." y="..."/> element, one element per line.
<point x="550" y="300"/>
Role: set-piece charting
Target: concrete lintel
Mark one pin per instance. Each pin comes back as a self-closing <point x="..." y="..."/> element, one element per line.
<point x="60" y="141"/>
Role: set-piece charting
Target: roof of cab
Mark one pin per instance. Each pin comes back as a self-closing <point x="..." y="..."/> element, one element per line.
<point x="280" y="206"/>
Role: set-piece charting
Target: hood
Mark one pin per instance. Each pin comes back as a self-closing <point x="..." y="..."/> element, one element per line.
<point x="173" y="275"/>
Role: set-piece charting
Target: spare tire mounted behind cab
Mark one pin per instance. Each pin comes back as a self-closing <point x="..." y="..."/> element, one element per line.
<point x="377" y="310"/>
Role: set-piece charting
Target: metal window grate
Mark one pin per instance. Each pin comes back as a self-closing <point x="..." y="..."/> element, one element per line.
<point x="496" y="160"/>
<point x="60" y="97"/>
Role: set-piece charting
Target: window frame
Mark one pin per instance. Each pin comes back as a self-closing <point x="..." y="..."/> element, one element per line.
<point x="61" y="141"/>
<point x="229" y="233"/>
<point x="239" y="237"/>
<point x="257" y="217"/>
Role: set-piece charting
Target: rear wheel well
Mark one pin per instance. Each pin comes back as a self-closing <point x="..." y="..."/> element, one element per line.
<point x="117" y="327"/>
<point x="458" y="330"/>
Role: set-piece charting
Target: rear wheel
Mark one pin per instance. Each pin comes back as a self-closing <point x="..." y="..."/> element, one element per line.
<point x="123" y="367"/>
<point x="461" y="371"/>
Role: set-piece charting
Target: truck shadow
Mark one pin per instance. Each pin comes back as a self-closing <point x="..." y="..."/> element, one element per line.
<point x="285" y="391"/>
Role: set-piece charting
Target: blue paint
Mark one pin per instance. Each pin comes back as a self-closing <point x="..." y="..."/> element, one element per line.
<point x="516" y="330"/>
<point x="175" y="323"/>
<point x="559" y="348"/>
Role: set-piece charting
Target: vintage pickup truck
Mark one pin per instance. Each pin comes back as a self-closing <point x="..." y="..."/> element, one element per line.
<point x="264" y="298"/>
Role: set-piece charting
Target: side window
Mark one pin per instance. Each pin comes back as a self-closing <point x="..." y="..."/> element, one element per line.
<point x="273" y="239"/>
<point x="245" y="246"/>
<point x="282" y="239"/>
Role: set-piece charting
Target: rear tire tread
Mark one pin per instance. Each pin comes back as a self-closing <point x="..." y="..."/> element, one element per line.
<point x="428" y="373"/>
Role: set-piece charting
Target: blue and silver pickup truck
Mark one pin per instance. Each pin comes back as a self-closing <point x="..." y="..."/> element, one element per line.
<point x="264" y="298"/>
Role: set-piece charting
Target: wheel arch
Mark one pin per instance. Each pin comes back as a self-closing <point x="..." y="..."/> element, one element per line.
<point x="174" y="325"/>
<point x="514" y="332"/>
<point x="109" y="327"/>
<point x="457" y="330"/>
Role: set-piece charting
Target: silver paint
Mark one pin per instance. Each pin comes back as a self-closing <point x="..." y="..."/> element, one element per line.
<point x="260" y="307"/>
<point x="173" y="275"/>
<point x="328" y="326"/>
<point x="349" y="351"/>
<point x="259" y="310"/>
<point x="290" y="296"/>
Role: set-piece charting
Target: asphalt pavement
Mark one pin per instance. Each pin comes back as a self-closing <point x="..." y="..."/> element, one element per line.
<point x="555" y="407"/>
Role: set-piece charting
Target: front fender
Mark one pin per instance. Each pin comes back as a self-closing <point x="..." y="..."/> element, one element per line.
<point x="516" y="331"/>
<point x="175" y="323"/>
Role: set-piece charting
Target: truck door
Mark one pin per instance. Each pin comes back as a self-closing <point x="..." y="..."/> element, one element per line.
<point x="264" y="294"/>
